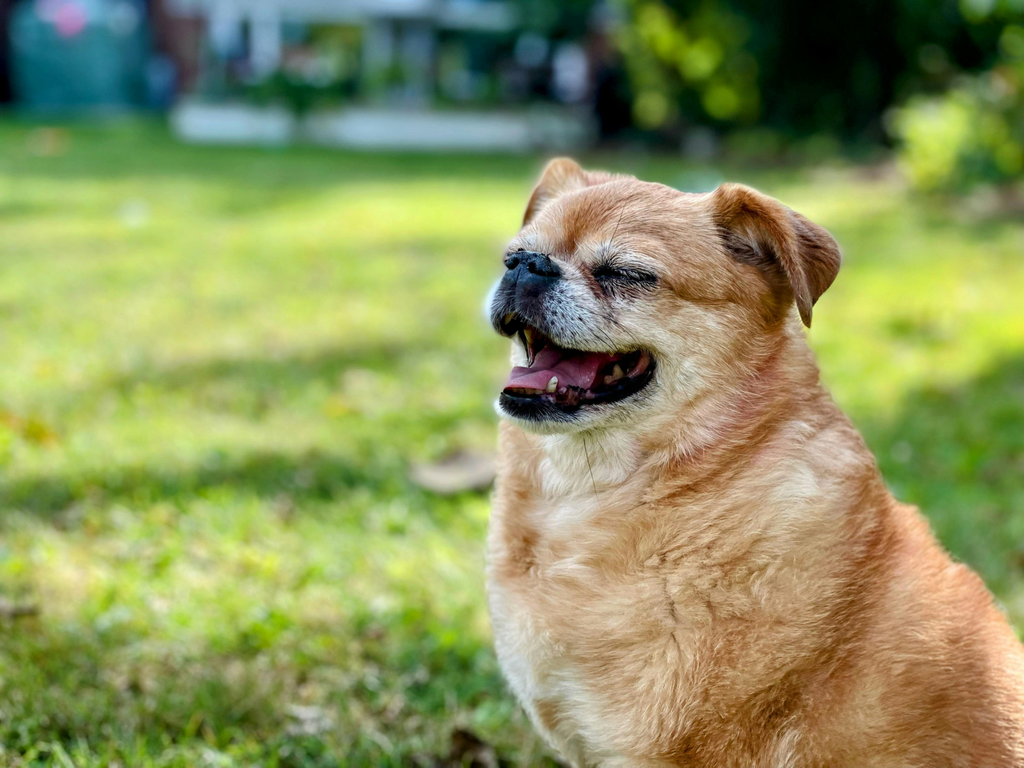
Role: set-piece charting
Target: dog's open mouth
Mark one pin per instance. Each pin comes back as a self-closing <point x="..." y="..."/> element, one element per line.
<point x="569" y="378"/>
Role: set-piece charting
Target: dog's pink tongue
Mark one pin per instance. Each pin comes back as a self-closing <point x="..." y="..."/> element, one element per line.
<point x="573" y="369"/>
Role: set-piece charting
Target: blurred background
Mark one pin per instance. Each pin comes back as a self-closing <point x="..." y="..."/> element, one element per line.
<point x="246" y="425"/>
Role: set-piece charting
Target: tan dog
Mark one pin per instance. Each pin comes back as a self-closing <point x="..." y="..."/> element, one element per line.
<point x="693" y="559"/>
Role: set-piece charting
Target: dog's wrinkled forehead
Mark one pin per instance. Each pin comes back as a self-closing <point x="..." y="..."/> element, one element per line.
<point x="577" y="224"/>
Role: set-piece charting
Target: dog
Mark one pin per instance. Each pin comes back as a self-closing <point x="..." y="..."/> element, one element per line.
<point x="693" y="559"/>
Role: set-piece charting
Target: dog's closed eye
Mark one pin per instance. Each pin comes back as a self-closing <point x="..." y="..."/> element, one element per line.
<point x="609" y="275"/>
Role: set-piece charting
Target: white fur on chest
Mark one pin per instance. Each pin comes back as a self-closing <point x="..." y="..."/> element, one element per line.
<point x="537" y="667"/>
<point x="530" y="655"/>
<point x="576" y="465"/>
<point x="574" y="474"/>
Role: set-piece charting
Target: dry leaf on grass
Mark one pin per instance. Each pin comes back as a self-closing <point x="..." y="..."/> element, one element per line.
<point x="455" y="473"/>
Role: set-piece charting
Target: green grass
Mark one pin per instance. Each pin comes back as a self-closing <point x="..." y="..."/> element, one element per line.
<point x="218" y="365"/>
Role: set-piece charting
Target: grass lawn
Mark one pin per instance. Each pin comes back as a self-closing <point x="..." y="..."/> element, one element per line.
<point x="218" y="365"/>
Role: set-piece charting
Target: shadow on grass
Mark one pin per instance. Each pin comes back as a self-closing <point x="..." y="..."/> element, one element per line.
<point x="310" y="476"/>
<point x="958" y="453"/>
<point x="249" y="388"/>
<point x="323" y="365"/>
<point x="269" y="376"/>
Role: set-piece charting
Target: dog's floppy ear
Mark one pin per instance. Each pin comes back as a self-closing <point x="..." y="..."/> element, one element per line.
<point x="761" y="231"/>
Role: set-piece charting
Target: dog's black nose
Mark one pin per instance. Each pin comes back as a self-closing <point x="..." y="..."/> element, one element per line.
<point x="523" y="289"/>
<point x="534" y="263"/>
<point x="530" y="275"/>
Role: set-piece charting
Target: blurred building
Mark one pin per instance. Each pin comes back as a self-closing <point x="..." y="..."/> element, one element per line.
<point x="366" y="73"/>
<point x="396" y="35"/>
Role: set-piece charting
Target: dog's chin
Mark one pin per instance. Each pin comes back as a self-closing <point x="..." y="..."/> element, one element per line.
<point x="543" y="419"/>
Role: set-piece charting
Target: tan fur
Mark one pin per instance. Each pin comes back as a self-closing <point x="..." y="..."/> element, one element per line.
<point x="716" y="575"/>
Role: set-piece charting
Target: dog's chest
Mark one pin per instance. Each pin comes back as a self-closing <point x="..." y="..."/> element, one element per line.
<point x="571" y="632"/>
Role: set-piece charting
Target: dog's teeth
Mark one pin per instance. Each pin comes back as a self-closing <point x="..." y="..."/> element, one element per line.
<point x="508" y="318"/>
<point x="617" y="372"/>
<point x="552" y="385"/>
<point x="528" y="342"/>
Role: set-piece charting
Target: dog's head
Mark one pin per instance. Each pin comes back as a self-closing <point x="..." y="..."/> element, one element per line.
<point x="625" y="298"/>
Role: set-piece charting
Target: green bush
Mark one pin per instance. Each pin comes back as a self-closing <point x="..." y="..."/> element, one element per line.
<point x="801" y="68"/>
<point x="974" y="133"/>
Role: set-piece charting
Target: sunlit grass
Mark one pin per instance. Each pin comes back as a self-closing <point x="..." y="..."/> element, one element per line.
<point x="219" y="364"/>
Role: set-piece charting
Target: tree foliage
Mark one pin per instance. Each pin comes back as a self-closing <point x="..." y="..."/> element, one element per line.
<point x="974" y="132"/>
<point x="796" y="66"/>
